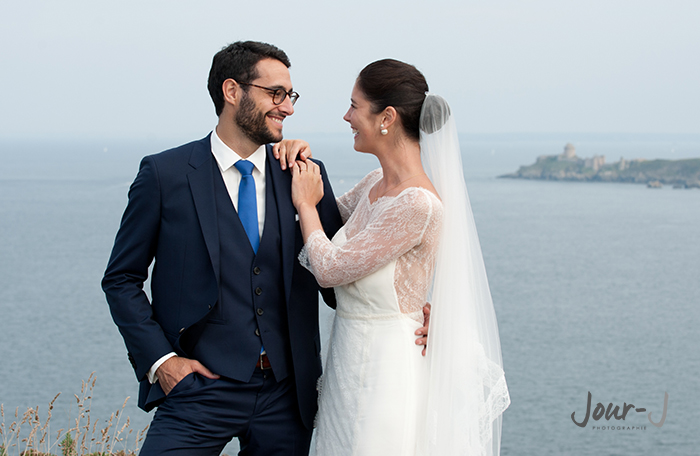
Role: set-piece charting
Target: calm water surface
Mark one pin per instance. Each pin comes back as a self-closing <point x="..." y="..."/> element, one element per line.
<point x="595" y="286"/>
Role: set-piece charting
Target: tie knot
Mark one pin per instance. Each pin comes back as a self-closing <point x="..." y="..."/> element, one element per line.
<point x="245" y="167"/>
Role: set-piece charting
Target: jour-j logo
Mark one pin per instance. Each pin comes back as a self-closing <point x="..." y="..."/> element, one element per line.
<point x="613" y="411"/>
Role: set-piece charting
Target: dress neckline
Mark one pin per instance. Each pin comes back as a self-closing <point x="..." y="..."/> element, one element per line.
<point x="386" y="197"/>
<point x="380" y="174"/>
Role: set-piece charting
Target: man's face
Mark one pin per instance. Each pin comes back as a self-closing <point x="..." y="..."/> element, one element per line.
<point x="257" y="116"/>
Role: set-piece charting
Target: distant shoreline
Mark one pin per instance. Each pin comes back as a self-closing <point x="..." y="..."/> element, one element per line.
<point x="568" y="167"/>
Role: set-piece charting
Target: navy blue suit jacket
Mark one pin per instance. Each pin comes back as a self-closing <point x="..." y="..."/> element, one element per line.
<point x="171" y="217"/>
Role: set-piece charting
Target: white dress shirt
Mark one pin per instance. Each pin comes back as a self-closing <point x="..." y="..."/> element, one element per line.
<point x="226" y="157"/>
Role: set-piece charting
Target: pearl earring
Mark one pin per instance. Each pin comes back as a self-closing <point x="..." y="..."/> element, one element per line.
<point x="383" y="131"/>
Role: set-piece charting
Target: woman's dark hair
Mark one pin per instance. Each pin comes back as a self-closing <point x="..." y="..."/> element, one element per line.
<point x="389" y="82"/>
<point x="237" y="61"/>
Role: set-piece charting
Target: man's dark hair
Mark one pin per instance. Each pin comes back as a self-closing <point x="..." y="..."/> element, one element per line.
<point x="237" y="61"/>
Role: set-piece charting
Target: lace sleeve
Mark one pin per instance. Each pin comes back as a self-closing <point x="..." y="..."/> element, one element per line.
<point x="396" y="228"/>
<point x="348" y="202"/>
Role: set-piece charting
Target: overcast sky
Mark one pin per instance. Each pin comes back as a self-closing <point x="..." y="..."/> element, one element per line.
<point x="137" y="69"/>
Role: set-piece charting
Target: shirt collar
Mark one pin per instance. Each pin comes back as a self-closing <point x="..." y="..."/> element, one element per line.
<point x="226" y="157"/>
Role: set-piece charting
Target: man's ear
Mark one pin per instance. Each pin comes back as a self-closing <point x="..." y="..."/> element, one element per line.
<point x="231" y="91"/>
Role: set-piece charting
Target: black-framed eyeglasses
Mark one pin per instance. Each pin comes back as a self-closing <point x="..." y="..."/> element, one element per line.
<point x="278" y="95"/>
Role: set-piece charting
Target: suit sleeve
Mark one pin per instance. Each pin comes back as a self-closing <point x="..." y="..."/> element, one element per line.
<point x="127" y="270"/>
<point x="331" y="220"/>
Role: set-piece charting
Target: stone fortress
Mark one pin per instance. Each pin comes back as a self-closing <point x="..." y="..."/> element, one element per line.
<point x="595" y="163"/>
<point x="654" y="173"/>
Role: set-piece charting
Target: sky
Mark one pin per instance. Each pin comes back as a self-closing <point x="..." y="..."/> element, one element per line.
<point x="138" y="69"/>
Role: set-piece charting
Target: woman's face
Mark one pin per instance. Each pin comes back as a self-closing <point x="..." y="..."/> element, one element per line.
<point x="365" y="125"/>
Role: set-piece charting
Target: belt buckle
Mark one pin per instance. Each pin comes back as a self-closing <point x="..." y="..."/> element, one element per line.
<point x="264" y="365"/>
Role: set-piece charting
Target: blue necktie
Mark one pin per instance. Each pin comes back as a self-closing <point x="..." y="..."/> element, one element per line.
<point x="247" y="203"/>
<point x="248" y="208"/>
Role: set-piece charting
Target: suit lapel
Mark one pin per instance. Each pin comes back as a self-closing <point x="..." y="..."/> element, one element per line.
<point x="281" y="182"/>
<point x="201" y="180"/>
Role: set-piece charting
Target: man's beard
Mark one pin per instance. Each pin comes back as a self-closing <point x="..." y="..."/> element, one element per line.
<point x="253" y="123"/>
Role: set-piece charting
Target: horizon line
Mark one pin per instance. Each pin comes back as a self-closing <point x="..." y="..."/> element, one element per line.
<point x="192" y="137"/>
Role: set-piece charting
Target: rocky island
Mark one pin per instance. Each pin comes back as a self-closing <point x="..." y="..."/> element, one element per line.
<point x="655" y="173"/>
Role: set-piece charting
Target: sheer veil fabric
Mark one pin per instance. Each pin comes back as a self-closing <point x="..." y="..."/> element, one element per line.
<point x="467" y="391"/>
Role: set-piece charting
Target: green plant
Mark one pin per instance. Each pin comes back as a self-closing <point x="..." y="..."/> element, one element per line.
<point x="67" y="445"/>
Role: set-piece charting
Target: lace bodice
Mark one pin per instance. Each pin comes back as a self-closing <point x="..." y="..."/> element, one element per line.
<point x="404" y="228"/>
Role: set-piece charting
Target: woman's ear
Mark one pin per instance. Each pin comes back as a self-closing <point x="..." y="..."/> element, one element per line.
<point x="389" y="117"/>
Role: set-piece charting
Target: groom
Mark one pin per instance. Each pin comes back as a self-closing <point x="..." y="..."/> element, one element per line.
<point x="229" y="344"/>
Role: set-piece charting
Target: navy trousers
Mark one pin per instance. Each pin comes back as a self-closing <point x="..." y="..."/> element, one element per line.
<point x="200" y="416"/>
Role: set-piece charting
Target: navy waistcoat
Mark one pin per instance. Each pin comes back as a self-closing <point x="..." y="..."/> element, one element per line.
<point x="251" y="310"/>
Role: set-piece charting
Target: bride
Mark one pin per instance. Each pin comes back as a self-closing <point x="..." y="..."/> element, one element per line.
<point x="408" y="236"/>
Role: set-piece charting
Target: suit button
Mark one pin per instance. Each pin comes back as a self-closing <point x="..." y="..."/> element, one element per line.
<point x="258" y="291"/>
<point x="260" y="311"/>
<point x="257" y="332"/>
<point x="181" y="330"/>
<point x="256" y="270"/>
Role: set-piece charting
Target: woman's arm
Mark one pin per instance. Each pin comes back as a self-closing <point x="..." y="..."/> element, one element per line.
<point x="395" y="231"/>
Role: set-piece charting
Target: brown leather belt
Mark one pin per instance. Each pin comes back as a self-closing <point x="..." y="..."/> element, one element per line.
<point x="263" y="362"/>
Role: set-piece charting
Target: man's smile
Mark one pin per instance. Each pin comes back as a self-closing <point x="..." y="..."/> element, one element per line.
<point x="276" y="118"/>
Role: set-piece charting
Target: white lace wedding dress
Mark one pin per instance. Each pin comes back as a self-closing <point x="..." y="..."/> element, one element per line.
<point x="372" y="399"/>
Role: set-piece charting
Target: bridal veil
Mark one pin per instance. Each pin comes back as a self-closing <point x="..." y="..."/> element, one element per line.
<point x="467" y="391"/>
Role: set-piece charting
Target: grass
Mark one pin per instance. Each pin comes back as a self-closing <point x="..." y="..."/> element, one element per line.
<point x="28" y="436"/>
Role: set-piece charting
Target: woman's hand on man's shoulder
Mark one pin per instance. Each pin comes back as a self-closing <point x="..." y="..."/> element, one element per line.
<point x="289" y="151"/>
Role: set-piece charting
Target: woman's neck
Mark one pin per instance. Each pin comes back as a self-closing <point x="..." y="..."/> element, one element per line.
<point x="400" y="162"/>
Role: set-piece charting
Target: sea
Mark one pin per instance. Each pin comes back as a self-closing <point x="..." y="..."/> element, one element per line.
<point x="596" y="287"/>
